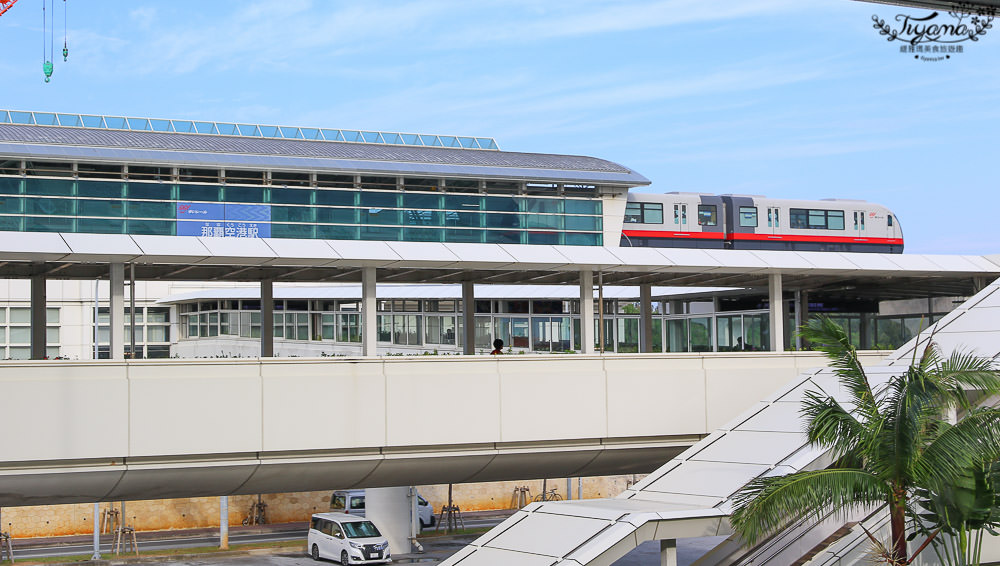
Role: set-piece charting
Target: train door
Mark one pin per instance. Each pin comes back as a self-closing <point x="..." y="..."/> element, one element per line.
<point x="680" y="217"/>
<point x="859" y="223"/>
<point x="773" y="220"/>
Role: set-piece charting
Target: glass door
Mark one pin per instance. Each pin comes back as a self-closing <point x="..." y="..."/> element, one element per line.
<point x="680" y="216"/>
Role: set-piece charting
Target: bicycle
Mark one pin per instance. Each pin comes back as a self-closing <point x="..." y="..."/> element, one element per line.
<point x="550" y="495"/>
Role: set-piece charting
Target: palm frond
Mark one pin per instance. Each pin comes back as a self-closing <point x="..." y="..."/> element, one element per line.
<point x="976" y="438"/>
<point x="828" y="337"/>
<point x="766" y="504"/>
<point x="830" y="425"/>
<point x="965" y="370"/>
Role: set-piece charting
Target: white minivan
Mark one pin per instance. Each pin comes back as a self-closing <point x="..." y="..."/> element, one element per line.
<point x="353" y="501"/>
<point x="347" y="538"/>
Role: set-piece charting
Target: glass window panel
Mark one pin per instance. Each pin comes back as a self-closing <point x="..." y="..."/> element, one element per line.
<point x="3" y="338"/>
<point x="656" y="341"/>
<point x="550" y="221"/>
<point x="378" y="199"/>
<point x="379" y="216"/>
<point x="337" y="215"/>
<point x="798" y="218"/>
<point x="422" y="217"/>
<point x="503" y="220"/>
<point x="52" y="315"/>
<point x="20" y="335"/>
<point x="701" y="334"/>
<point x="3" y="315"/>
<point x="100" y="226"/>
<point x="20" y="353"/>
<point x="628" y="335"/>
<point x="543" y="205"/>
<point x="245" y="194"/>
<point x="209" y="193"/>
<point x="463" y="202"/>
<point x="748" y="216"/>
<point x="293" y="214"/>
<point x="502" y="204"/>
<point x="337" y="232"/>
<point x="49" y="224"/>
<point x="422" y="200"/>
<point x="452" y="235"/>
<point x="158" y="333"/>
<point x="633" y="213"/>
<point x="50" y="206"/>
<point x="337" y="198"/>
<point x="835" y="219"/>
<point x="707" y="214"/>
<point x="588" y="223"/>
<point x="11" y="223"/>
<point x="99" y="189"/>
<point x="149" y="191"/>
<point x="51" y="187"/>
<point x="291" y="196"/>
<point x="158" y="314"/>
<point x="423" y="234"/>
<point x="544" y="238"/>
<point x="817" y="219"/>
<point x="155" y="227"/>
<point x="292" y="231"/>
<point x="503" y="237"/>
<point x="152" y="209"/>
<point x="380" y="233"/>
<point x="576" y="206"/>
<point x="463" y="219"/>
<point x="101" y="207"/>
<point x="11" y="205"/>
<point x="652" y="213"/>
<point x="10" y="186"/>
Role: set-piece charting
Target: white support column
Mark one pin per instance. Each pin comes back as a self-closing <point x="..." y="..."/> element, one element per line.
<point x="468" y="318"/>
<point x="369" y="317"/>
<point x="38" y="316"/>
<point x="97" y="532"/>
<point x="116" y="314"/>
<point x="389" y="508"/>
<point x="645" y="318"/>
<point x="668" y="552"/>
<point x="267" y="318"/>
<point x="224" y="522"/>
<point x="587" y="311"/>
<point x="777" y="313"/>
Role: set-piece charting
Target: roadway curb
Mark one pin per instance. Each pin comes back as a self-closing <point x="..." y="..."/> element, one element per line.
<point x="192" y="555"/>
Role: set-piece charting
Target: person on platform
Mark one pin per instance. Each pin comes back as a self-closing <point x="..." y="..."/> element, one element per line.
<point x="497" y="347"/>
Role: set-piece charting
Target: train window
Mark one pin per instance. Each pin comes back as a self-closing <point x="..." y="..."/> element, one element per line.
<point x="633" y="212"/>
<point x="835" y="219"/>
<point x="748" y="216"/>
<point x="889" y="220"/>
<point x="707" y="215"/>
<point x="816" y="219"/>
<point x="644" y="213"/>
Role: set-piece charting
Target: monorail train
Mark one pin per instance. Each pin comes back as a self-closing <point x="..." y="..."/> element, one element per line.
<point x="755" y="222"/>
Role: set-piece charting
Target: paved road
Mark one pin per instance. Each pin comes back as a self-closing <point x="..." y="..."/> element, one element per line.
<point x="145" y="543"/>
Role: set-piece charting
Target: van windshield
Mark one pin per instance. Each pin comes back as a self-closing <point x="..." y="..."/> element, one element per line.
<point x="361" y="529"/>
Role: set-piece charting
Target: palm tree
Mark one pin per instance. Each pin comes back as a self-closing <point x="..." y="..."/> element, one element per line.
<point x="893" y="440"/>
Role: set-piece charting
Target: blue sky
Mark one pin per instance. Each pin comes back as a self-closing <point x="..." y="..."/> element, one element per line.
<point x="786" y="98"/>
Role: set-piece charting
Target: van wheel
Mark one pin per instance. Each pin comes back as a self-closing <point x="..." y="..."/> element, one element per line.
<point x="343" y="557"/>
<point x="315" y="552"/>
<point x="423" y="525"/>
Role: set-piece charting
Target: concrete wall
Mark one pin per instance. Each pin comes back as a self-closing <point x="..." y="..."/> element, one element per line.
<point x="184" y="428"/>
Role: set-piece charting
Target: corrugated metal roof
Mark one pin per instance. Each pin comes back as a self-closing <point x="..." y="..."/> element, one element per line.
<point x="51" y="142"/>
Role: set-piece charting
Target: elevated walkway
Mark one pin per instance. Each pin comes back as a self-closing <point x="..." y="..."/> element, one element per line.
<point x="690" y="496"/>
<point x="113" y="430"/>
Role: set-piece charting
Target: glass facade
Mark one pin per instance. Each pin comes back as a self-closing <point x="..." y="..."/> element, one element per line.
<point x="328" y="207"/>
<point x="15" y="333"/>
<point x="152" y="332"/>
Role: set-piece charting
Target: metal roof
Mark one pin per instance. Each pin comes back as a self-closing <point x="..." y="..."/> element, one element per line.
<point x="189" y="258"/>
<point x="237" y="129"/>
<point x="692" y="494"/>
<point x="200" y="150"/>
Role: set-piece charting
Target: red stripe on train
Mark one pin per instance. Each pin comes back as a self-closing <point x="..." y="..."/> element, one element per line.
<point x="679" y="235"/>
<point x="825" y="239"/>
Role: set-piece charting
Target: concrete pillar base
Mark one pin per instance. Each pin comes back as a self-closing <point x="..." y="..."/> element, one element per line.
<point x="389" y="509"/>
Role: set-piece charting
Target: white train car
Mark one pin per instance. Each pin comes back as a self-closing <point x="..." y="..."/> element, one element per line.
<point x="755" y="222"/>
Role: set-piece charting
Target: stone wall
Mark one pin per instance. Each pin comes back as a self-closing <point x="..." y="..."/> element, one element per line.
<point x="200" y="512"/>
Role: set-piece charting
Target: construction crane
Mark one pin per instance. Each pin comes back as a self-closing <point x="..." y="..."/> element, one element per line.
<point x="5" y="5"/>
<point x="48" y="28"/>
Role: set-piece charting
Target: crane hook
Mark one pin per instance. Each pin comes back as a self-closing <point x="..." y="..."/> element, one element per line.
<point x="47" y="68"/>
